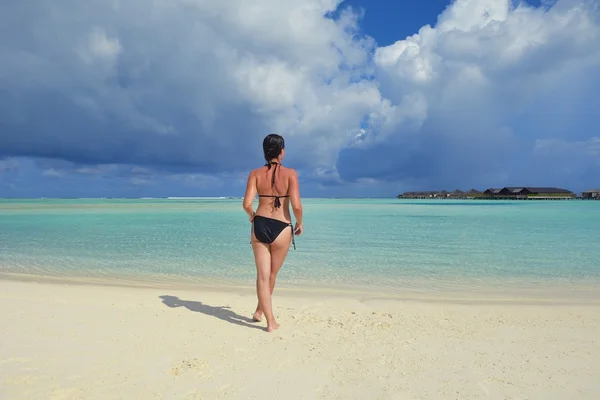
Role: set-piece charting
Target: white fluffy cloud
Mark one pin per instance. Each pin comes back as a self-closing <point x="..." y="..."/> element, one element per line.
<point x="192" y="86"/>
<point x="488" y="60"/>
<point x="489" y="78"/>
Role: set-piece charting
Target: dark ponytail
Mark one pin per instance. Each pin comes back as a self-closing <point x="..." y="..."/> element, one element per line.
<point x="273" y="145"/>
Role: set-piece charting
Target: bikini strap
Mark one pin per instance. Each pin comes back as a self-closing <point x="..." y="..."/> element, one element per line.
<point x="268" y="165"/>
<point x="277" y="202"/>
<point x="293" y="240"/>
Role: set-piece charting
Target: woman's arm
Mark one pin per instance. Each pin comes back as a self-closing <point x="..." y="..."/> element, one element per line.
<point x="250" y="195"/>
<point x="294" y="189"/>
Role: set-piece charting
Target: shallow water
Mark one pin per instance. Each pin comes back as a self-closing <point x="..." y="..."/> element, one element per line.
<point x="388" y="243"/>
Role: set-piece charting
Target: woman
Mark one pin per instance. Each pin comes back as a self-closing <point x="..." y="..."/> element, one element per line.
<point x="277" y="187"/>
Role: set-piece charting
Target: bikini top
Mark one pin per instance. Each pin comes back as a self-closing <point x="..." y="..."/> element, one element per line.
<point x="277" y="202"/>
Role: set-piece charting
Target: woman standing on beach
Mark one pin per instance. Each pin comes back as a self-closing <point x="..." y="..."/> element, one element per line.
<point x="272" y="230"/>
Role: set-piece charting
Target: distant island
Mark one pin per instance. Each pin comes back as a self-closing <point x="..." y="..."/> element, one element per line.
<point x="505" y="193"/>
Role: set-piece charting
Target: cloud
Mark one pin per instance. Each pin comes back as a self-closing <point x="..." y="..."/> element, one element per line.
<point x="187" y="83"/>
<point x="142" y="94"/>
<point x="575" y="161"/>
<point x="472" y="97"/>
<point x="578" y="149"/>
<point x="8" y="165"/>
<point x="52" y="172"/>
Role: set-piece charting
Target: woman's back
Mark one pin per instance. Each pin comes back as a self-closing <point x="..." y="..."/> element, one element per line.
<point x="273" y="183"/>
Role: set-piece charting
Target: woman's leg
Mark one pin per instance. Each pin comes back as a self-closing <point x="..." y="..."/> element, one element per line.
<point x="262" y="257"/>
<point x="279" y="251"/>
<point x="259" y="313"/>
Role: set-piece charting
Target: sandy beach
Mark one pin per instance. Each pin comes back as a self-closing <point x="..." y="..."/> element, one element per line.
<point x="73" y="341"/>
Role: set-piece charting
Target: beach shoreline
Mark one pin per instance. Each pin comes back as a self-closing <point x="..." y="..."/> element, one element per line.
<point x="556" y="291"/>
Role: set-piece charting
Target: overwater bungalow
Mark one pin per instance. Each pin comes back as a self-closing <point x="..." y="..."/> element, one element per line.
<point x="528" y="192"/>
<point x="506" y="193"/>
<point x="440" y="194"/>
<point x="592" y="194"/>
<point x="473" y="193"/>
<point x="418" y="195"/>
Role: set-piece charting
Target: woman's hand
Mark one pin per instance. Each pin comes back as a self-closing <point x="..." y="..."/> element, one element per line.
<point x="252" y="216"/>
<point x="298" y="229"/>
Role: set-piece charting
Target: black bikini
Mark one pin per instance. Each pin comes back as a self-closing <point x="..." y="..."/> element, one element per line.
<point x="268" y="229"/>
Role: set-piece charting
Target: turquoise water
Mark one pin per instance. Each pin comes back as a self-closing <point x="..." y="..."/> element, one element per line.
<point x="387" y="242"/>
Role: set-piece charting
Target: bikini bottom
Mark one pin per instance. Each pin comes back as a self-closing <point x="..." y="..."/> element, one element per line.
<point x="268" y="229"/>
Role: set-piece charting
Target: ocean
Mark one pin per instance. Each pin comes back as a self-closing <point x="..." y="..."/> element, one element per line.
<point x="391" y="244"/>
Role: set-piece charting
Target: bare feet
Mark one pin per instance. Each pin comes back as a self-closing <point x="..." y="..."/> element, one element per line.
<point x="257" y="317"/>
<point x="273" y="326"/>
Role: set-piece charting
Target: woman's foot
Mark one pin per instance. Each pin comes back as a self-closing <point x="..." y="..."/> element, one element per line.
<point x="272" y="326"/>
<point x="257" y="317"/>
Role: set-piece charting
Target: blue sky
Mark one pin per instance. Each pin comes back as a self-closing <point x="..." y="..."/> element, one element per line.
<point x="389" y="21"/>
<point x="111" y="99"/>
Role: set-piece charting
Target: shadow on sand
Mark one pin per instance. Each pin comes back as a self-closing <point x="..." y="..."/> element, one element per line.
<point x="221" y="312"/>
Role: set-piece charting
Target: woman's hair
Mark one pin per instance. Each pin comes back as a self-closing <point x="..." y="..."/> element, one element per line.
<point x="273" y="144"/>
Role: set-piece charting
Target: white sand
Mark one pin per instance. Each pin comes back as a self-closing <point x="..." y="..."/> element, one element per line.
<point x="65" y="341"/>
